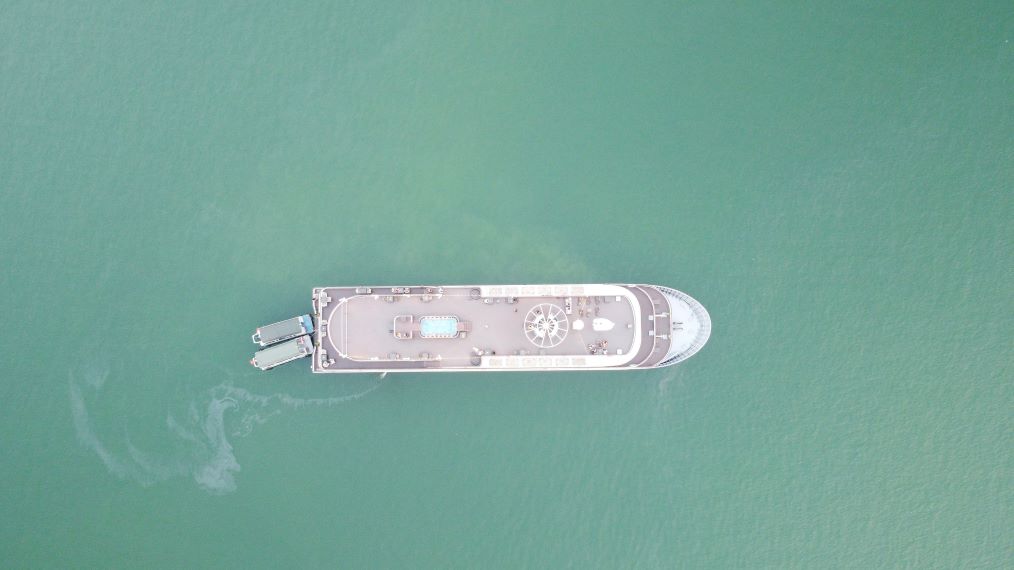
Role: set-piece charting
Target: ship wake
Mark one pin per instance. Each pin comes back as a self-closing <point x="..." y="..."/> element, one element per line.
<point x="197" y="434"/>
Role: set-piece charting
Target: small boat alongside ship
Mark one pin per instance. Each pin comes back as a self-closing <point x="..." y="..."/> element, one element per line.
<point x="283" y="330"/>
<point x="278" y="354"/>
<point x="488" y="328"/>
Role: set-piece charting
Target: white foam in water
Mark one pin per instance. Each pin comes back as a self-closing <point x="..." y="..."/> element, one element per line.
<point x="670" y="374"/>
<point x="200" y="434"/>
<point x="87" y="437"/>
<point x="215" y="473"/>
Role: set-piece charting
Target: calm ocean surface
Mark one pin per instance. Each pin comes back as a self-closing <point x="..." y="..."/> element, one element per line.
<point x="833" y="183"/>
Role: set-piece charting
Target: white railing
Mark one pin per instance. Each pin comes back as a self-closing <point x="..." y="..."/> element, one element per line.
<point x="703" y="333"/>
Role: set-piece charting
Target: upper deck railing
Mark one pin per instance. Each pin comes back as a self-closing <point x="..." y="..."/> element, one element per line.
<point x="703" y="333"/>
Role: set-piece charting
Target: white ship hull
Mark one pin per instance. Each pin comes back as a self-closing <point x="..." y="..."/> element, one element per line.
<point x="504" y="327"/>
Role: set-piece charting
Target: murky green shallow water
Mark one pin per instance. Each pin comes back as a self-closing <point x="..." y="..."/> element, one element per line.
<point x="833" y="183"/>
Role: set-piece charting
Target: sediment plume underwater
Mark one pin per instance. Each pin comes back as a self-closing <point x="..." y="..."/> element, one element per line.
<point x="198" y="430"/>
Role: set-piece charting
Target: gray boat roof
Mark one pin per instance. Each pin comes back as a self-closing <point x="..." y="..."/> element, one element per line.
<point x="282" y="330"/>
<point x="283" y="352"/>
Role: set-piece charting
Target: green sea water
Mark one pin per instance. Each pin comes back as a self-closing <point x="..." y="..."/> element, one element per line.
<point x="833" y="182"/>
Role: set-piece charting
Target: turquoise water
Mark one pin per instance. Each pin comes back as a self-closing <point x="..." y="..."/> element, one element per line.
<point x="833" y="184"/>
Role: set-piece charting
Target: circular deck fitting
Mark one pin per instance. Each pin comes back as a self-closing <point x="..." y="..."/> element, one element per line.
<point x="546" y="325"/>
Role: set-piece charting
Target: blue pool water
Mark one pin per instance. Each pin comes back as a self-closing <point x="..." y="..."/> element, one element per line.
<point x="438" y="326"/>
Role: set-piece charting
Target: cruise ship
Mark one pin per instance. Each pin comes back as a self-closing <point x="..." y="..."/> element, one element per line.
<point x="489" y="328"/>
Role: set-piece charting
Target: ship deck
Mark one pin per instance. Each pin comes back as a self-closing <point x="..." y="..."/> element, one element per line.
<point x="489" y="327"/>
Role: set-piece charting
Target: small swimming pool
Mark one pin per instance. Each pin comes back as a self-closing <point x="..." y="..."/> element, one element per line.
<point x="438" y="327"/>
